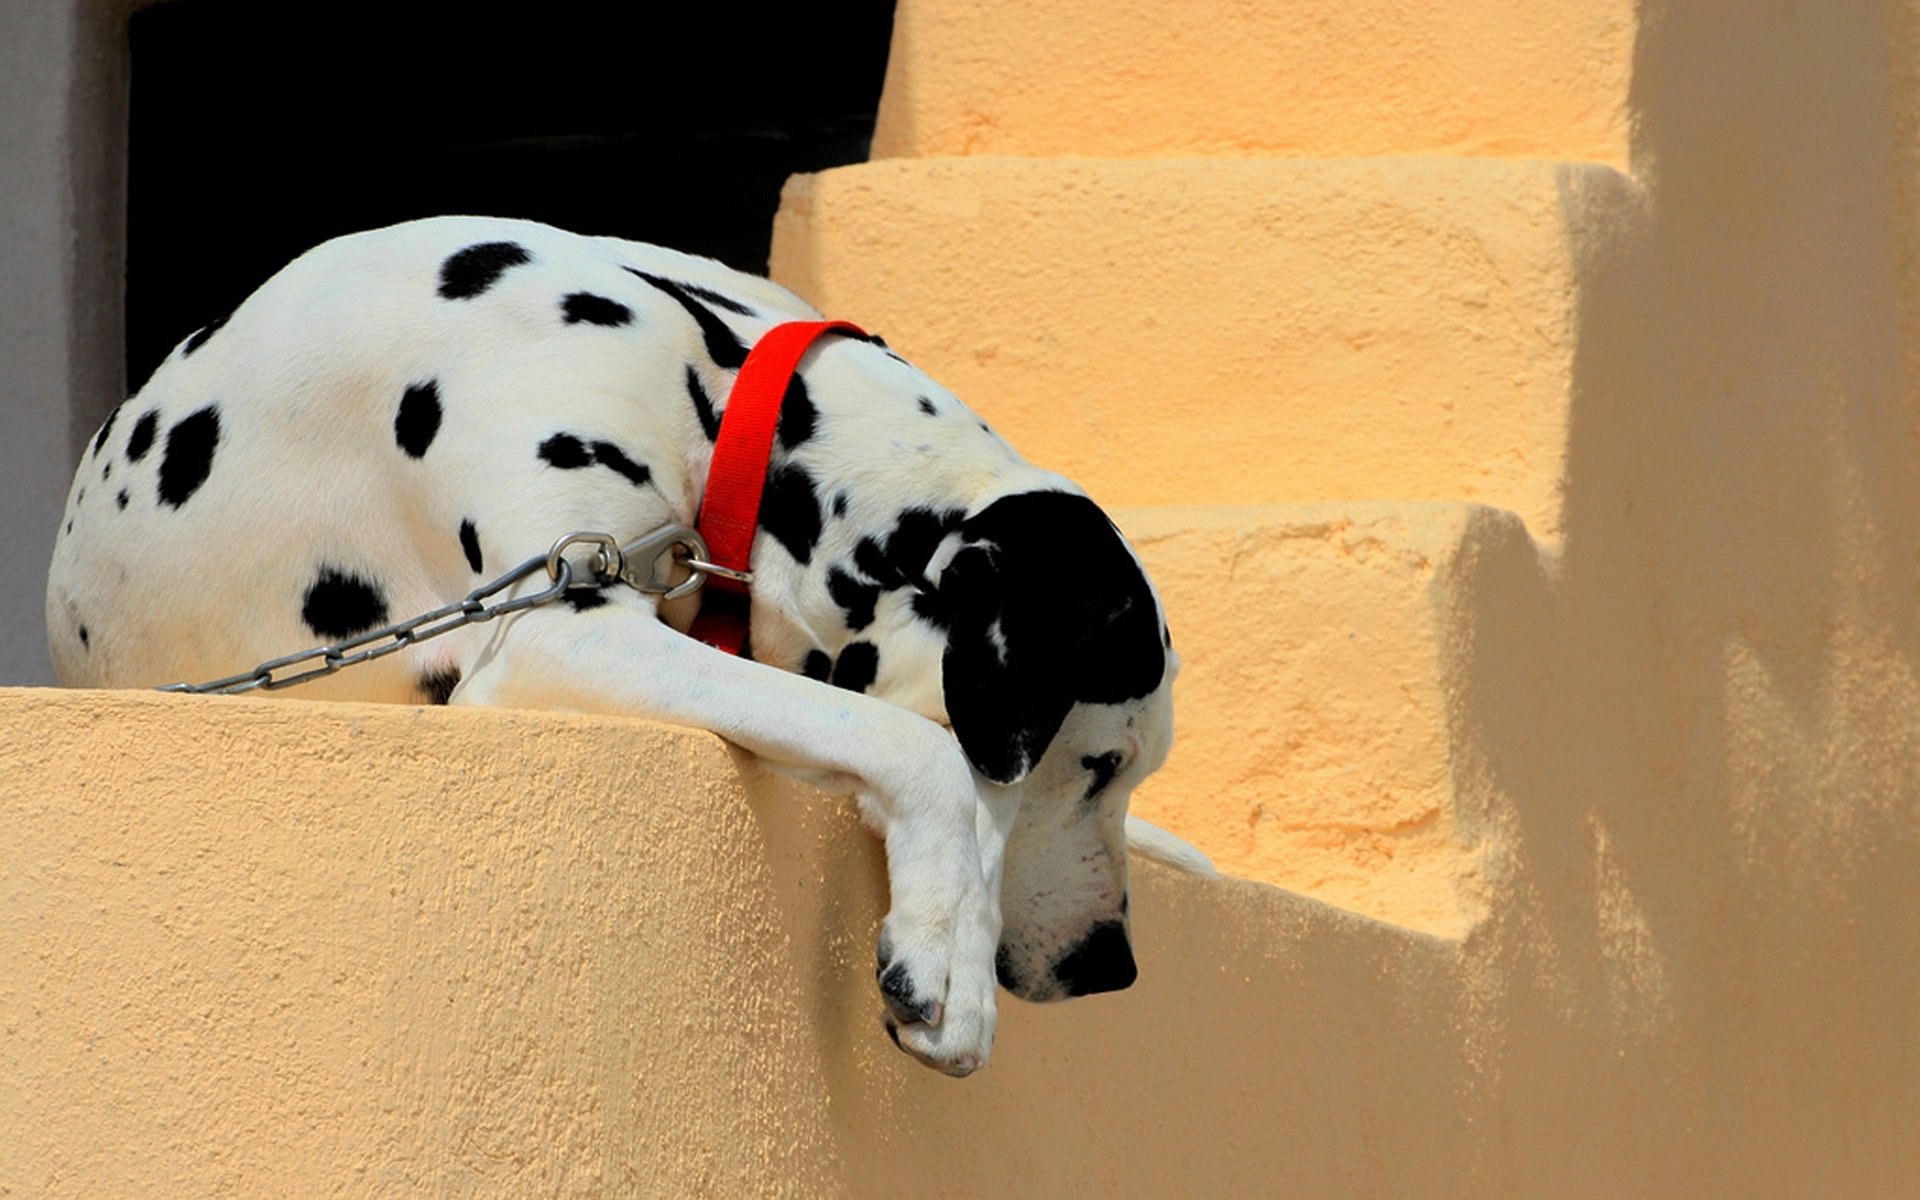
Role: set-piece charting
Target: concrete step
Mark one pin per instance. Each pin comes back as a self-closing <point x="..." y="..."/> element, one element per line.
<point x="1229" y="77"/>
<point x="1321" y="646"/>
<point x="1232" y="331"/>
<point x="390" y="950"/>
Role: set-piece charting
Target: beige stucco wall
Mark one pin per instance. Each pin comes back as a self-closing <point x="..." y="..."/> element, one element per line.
<point x="1556" y="655"/>
<point x="276" y="947"/>
<point x="1323" y="78"/>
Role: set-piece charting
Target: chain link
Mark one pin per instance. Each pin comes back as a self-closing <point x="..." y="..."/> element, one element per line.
<point x="637" y="564"/>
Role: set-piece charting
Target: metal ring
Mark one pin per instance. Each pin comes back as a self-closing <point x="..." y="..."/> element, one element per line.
<point x="608" y="562"/>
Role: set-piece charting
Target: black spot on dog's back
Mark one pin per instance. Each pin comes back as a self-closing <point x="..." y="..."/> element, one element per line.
<point x="817" y="666"/>
<point x="437" y="686"/>
<point x="926" y="406"/>
<point x="418" y="420"/>
<point x="340" y="604"/>
<point x="615" y="459"/>
<point x="469" y="272"/>
<point x="189" y="455"/>
<point x="702" y="405"/>
<point x="121" y="499"/>
<point x="84" y="639"/>
<point x="584" y="599"/>
<point x="141" y="439"/>
<point x="723" y="344"/>
<point x="715" y="298"/>
<point x="790" y="511"/>
<point x="106" y="427"/>
<point x="470" y="546"/>
<point x="797" y="414"/>
<point x="566" y="451"/>
<point x="595" y="310"/>
<point x="198" y="337"/>
<point x="858" y="599"/>
<point x="857" y="666"/>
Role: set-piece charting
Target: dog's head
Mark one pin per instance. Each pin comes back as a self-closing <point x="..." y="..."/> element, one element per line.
<point x="1058" y="676"/>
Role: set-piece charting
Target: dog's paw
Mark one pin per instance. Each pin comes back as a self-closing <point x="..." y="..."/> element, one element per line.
<point x="940" y="1006"/>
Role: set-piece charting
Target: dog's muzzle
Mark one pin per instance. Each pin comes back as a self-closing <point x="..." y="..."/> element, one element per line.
<point x="1101" y="962"/>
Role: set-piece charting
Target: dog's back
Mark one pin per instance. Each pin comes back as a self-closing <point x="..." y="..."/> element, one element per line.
<point x="399" y="415"/>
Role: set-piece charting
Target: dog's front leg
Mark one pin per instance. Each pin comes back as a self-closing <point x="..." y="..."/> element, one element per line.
<point x="937" y="945"/>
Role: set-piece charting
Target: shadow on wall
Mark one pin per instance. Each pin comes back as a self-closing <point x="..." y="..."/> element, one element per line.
<point x="1706" y="789"/>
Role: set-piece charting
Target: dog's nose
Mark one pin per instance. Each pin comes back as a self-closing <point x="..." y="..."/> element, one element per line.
<point x="1103" y="962"/>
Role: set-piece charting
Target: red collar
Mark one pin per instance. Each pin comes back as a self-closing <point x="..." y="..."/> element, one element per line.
<point x="730" y="512"/>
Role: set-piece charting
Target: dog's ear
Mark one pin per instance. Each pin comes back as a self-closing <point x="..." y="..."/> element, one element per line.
<point x="1047" y="607"/>
<point x="1005" y="683"/>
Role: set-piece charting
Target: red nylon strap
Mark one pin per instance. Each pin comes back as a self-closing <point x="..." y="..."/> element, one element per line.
<point x="730" y="513"/>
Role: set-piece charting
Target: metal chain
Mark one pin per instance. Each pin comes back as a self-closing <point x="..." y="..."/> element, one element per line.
<point x="612" y="563"/>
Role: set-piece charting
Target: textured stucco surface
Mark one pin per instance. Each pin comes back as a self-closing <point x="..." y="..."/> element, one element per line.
<point x="1625" y="754"/>
<point x="1248" y="77"/>
<point x="270" y="946"/>
<point x="1229" y="332"/>
<point x="1318" y="644"/>
<point x="263" y="946"/>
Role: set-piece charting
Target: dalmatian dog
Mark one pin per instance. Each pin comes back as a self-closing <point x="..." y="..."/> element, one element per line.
<point x="960" y="639"/>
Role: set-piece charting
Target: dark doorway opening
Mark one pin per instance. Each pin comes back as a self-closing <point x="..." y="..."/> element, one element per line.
<point x="259" y="130"/>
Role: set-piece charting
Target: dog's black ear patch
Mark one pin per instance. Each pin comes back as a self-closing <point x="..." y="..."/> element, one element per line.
<point x="723" y="345"/>
<point x="1046" y="608"/>
<point x="790" y="511"/>
<point x="1005" y="687"/>
<point x="189" y="455"/>
<point x="198" y="337"/>
<point x="702" y="405"/>
<point x="141" y="439"/>
<point x="470" y="545"/>
<point x="418" y="419"/>
<point x="340" y="604"/>
<point x="438" y="685"/>
<point x="469" y="272"/>
<point x="595" y="310"/>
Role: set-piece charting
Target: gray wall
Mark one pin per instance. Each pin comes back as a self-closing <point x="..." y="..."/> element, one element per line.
<point x="63" y="103"/>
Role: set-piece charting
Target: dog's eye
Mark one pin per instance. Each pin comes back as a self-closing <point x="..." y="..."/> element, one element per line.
<point x="1103" y="766"/>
